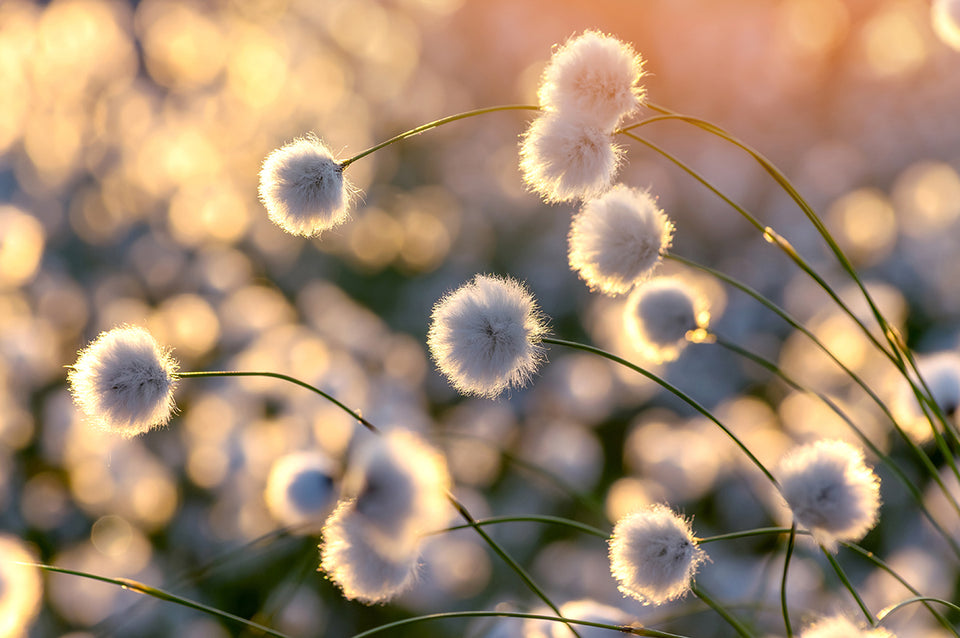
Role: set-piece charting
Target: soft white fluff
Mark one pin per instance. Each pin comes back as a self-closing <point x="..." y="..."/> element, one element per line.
<point x="842" y="627"/>
<point x="300" y="490"/>
<point x="124" y="380"/>
<point x="21" y="588"/>
<point x="616" y="240"/>
<point x="945" y="15"/>
<point x="658" y="315"/>
<point x="563" y="158"/>
<point x="830" y="491"/>
<point x="363" y="560"/>
<point x="303" y="188"/>
<point x="594" y="77"/>
<point x="653" y="555"/>
<point x="941" y="373"/>
<point x="591" y="611"/>
<point x="484" y="336"/>
<point x="399" y="484"/>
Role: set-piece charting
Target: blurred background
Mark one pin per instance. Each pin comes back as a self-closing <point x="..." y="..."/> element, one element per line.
<point x="131" y="136"/>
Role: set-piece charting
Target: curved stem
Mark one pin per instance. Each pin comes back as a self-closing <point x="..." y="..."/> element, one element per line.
<point x="846" y="583"/>
<point x="760" y="531"/>
<point x="554" y="520"/>
<point x="916" y="599"/>
<point x="783" y="582"/>
<point x="671" y="388"/>
<point x="160" y="594"/>
<point x="726" y="615"/>
<point x="285" y="377"/>
<point x="434" y="124"/>
<point x="627" y="629"/>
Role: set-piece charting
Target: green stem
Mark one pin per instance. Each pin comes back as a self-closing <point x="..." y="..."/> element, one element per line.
<point x="671" y="388"/>
<point x="160" y="594"/>
<point x="434" y="124"/>
<point x="726" y="615"/>
<point x="554" y="520"/>
<point x="760" y="531"/>
<point x="917" y="451"/>
<point x="917" y="599"/>
<point x="886" y="459"/>
<point x="846" y="583"/>
<point x="627" y="629"/>
<point x="285" y="377"/>
<point x="783" y="582"/>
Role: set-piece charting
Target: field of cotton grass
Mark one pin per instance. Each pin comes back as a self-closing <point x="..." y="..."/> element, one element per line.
<point x="433" y="317"/>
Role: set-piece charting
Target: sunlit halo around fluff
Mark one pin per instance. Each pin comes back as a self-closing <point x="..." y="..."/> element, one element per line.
<point x="842" y="627"/>
<point x="830" y="491"/>
<point x="661" y="314"/>
<point x="593" y="77"/>
<point x="124" y="380"/>
<point x="300" y="491"/>
<point x="394" y="491"/>
<point x="303" y="188"/>
<point x="485" y="335"/>
<point x="563" y="158"/>
<point x="616" y="240"/>
<point x="653" y="555"/>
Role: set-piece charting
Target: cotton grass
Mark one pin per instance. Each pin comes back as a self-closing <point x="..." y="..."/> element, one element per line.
<point x="661" y="315"/>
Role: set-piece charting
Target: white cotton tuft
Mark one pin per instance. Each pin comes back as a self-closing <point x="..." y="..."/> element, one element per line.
<point x="21" y="587"/>
<point x="303" y="188"/>
<point x="124" y="380"/>
<point x="659" y="316"/>
<point x="594" y="77"/>
<point x="399" y="485"/>
<point x="941" y="373"/>
<point x="842" y="627"/>
<point x="563" y="158"/>
<point x="300" y="491"/>
<point x="653" y="555"/>
<point x="830" y="491"/>
<point x="363" y="560"/>
<point x="485" y="336"/>
<point x="616" y="240"/>
<point x="945" y="15"/>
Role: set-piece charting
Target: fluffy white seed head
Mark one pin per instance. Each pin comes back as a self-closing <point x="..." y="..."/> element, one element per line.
<point x="399" y="485"/>
<point x="124" y="380"/>
<point x="21" y="587"/>
<point x="616" y="240"/>
<point x="842" y="627"/>
<point x="303" y="188"/>
<point x="595" y="77"/>
<point x="945" y="15"/>
<point x="941" y="373"/>
<point x="653" y="555"/>
<point x="830" y="491"/>
<point x="485" y="335"/>
<point x="563" y="158"/>
<point x="660" y="316"/>
<point x="362" y="560"/>
<point x="300" y="490"/>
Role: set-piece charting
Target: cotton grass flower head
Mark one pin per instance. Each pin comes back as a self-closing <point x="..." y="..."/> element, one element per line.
<point x="363" y="561"/>
<point x="594" y="77"/>
<point x="616" y="240"/>
<point x="563" y="158"/>
<point x="124" y="380"/>
<point x="945" y="15"/>
<point x="830" y="491"/>
<point x="661" y="315"/>
<point x="653" y="555"/>
<point x="21" y="588"/>
<point x="303" y="188"/>
<point x="941" y="373"/>
<point x="485" y="335"/>
<point x="842" y="627"/>
<point x="300" y="490"/>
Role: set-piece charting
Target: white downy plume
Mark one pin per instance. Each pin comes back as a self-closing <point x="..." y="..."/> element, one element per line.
<point x="363" y="560"/>
<point x="300" y="491"/>
<point x="594" y="77"/>
<point x="563" y="158"/>
<point x="653" y="555"/>
<point x="830" y="491"/>
<point x="616" y="240"/>
<point x="21" y="588"/>
<point x="485" y="336"/>
<point x="659" y="316"/>
<point x="945" y="15"/>
<point x="842" y="627"/>
<point x="941" y="373"/>
<point x="303" y="188"/>
<point x="124" y="380"/>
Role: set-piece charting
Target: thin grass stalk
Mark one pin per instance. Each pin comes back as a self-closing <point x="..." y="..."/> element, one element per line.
<point x="783" y="581"/>
<point x="842" y="575"/>
<point x="722" y="611"/>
